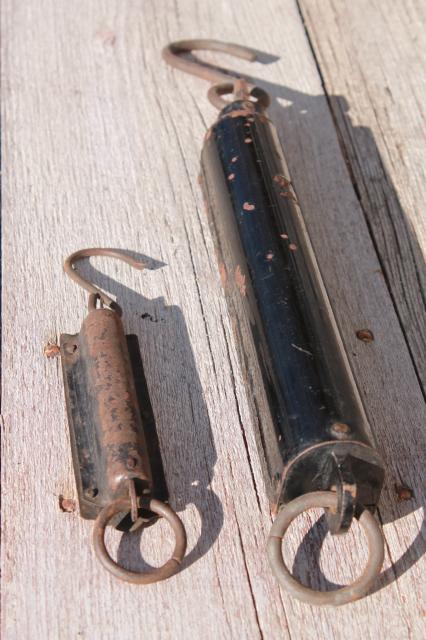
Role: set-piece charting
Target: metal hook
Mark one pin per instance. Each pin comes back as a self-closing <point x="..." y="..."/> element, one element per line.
<point x="224" y="82"/>
<point x="70" y="270"/>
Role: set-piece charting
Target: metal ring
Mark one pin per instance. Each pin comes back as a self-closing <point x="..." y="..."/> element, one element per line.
<point x="349" y="593"/>
<point x="217" y="90"/>
<point x="162" y="573"/>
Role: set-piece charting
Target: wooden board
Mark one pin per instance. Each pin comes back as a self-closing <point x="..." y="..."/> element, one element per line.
<point x="372" y="74"/>
<point x="101" y="147"/>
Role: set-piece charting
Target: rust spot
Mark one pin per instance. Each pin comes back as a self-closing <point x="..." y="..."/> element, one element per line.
<point x="51" y="350"/>
<point x="282" y="181"/>
<point x="231" y="176"/>
<point x="340" y="429"/>
<point x="203" y="194"/>
<point x="234" y="159"/>
<point x="288" y="194"/>
<point x="112" y="385"/>
<point x="365" y="335"/>
<point x="248" y="140"/>
<point x="240" y="280"/>
<point x="66" y="504"/>
<point x="106" y="37"/>
<point x="238" y="113"/>
<point x="403" y="492"/>
<point x="247" y="206"/>
<point x="223" y="274"/>
<point x="292" y="246"/>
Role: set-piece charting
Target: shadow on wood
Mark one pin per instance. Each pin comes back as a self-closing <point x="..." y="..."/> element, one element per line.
<point x="307" y="570"/>
<point x="391" y="507"/>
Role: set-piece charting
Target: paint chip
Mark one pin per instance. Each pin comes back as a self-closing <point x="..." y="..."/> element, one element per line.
<point x="248" y="140"/>
<point x="240" y="280"/>
<point x="292" y="246"/>
<point x="288" y="194"/>
<point x="403" y="492"/>
<point x="106" y="37"/>
<point x="247" y="206"/>
<point x="223" y="274"/>
<point x="231" y="176"/>
<point x="282" y="181"/>
<point x="234" y="159"/>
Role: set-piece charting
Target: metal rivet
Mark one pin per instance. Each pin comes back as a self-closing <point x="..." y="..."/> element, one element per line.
<point x="365" y="335"/>
<point x="131" y="463"/>
<point x="70" y="348"/>
<point x="51" y="350"/>
<point x="340" y="429"/>
<point x="91" y="492"/>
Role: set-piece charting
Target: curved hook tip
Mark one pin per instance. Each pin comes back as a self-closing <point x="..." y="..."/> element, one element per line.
<point x="173" y="55"/>
<point x="70" y="270"/>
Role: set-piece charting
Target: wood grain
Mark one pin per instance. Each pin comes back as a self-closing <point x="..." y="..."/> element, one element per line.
<point x="101" y="147"/>
<point x="374" y="77"/>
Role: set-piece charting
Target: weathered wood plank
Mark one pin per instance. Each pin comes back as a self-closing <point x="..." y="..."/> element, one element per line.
<point x="101" y="147"/>
<point x="372" y="56"/>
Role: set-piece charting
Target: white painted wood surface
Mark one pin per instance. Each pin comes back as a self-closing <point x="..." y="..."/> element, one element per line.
<point x="101" y="147"/>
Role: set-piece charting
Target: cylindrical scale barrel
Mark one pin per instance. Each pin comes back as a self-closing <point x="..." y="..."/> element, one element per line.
<point x="112" y="405"/>
<point x="313" y="433"/>
<point x="112" y="438"/>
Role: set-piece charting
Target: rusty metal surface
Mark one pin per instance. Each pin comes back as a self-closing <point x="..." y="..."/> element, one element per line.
<point x="96" y="293"/>
<point x="112" y="426"/>
<point x="111" y="386"/>
<point x="179" y="55"/>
